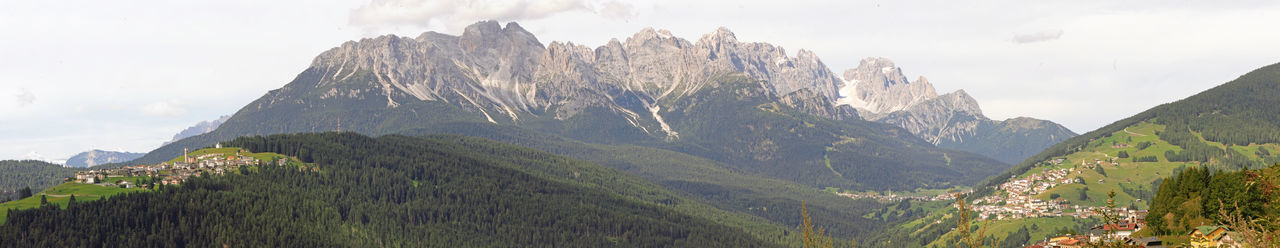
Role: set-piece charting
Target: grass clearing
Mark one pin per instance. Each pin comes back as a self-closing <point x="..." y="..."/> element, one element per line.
<point x="61" y="194"/>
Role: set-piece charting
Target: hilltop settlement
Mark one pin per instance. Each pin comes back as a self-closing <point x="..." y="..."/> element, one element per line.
<point x="216" y="162"/>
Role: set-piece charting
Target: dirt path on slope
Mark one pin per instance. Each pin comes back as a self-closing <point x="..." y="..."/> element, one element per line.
<point x="1133" y="133"/>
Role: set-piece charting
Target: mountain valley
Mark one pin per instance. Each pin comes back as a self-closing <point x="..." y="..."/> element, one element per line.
<point x="492" y="138"/>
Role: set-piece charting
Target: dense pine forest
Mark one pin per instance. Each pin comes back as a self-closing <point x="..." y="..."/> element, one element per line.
<point x="715" y="183"/>
<point x="388" y="191"/>
<point x="27" y="176"/>
<point x="1199" y="196"/>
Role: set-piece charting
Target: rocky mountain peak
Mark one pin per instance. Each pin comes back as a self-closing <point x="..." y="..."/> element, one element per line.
<point x="1028" y="123"/>
<point x="482" y="28"/>
<point x="809" y="56"/>
<point x="504" y="72"/>
<point x="921" y="80"/>
<point x="488" y="41"/>
<point x="720" y="35"/>
<point x="880" y="92"/>
<point x="649" y="34"/>
<point x="959" y="101"/>
<point x="877" y="86"/>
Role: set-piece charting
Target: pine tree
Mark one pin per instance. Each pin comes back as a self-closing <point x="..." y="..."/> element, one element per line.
<point x="816" y="238"/>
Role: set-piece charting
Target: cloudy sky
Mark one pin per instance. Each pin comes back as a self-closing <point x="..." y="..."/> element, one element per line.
<point x="127" y="75"/>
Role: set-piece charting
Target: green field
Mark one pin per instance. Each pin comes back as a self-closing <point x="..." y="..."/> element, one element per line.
<point x="224" y="151"/>
<point x="1043" y="227"/>
<point x="228" y="151"/>
<point x="59" y="195"/>
<point x="1125" y="174"/>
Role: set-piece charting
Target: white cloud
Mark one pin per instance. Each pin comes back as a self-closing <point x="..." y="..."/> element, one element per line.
<point x="34" y="155"/>
<point x="617" y="10"/>
<point x="163" y="109"/>
<point x="25" y="98"/>
<point x="453" y="15"/>
<point x="1037" y="36"/>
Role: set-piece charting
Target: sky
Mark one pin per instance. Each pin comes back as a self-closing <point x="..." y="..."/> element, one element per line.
<point x="128" y="75"/>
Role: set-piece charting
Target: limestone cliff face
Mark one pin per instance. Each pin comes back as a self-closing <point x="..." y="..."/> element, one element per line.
<point x="877" y="86"/>
<point x="952" y="117"/>
<point x="748" y="105"/>
<point x="880" y="92"/>
<point x="504" y="74"/>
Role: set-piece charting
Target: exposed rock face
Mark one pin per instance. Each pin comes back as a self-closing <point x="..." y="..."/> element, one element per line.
<point x="747" y="105"/>
<point x="504" y="74"/>
<point x="811" y="102"/>
<point x="98" y="157"/>
<point x="878" y="86"/>
<point x="951" y="117"/>
<point x="881" y="93"/>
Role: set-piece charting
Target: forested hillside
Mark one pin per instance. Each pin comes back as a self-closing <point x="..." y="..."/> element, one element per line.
<point x="1198" y="197"/>
<point x="16" y="175"/>
<point x="715" y="183"/>
<point x="1231" y="127"/>
<point x="1240" y="112"/>
<point x="389" y="191"/>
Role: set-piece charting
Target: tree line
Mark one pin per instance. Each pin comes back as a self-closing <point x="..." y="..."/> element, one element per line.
<point x="389" y="191"/>
<point x="1196" y="193"/>
<point x="29" y="175"/>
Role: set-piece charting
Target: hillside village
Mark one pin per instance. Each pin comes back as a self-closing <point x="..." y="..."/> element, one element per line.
<point x="1124" y="163"/>
<point x="178" y="170"/>
<point x="1018" y="199"/>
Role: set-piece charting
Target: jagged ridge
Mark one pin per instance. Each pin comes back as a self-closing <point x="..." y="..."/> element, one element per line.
<point x="880" y="92"/>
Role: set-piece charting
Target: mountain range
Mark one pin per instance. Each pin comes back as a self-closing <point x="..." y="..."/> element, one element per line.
<point x="462" y="140"/>
<point x="880" y="92"/>
<point x="202" y="127"/>
<point x="746" y="104"/>
<point x="743" y="119"/>
<point x="98" y="157"/>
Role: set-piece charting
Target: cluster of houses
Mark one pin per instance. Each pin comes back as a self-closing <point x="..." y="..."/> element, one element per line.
<point x="1112" y="232"/>
<point x="171" y="173"/>
<point x="1081" y="241"/>
<point x="1018" y="200"/>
